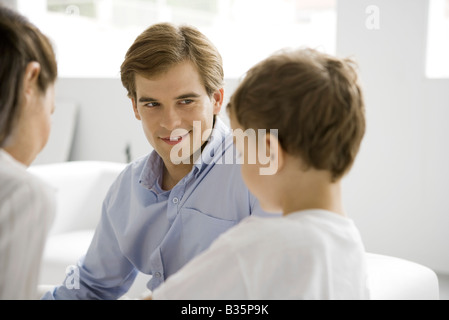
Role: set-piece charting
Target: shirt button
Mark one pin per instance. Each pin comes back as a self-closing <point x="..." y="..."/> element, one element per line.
<point x="175" y="200"/>
<point x="157" y="274"/>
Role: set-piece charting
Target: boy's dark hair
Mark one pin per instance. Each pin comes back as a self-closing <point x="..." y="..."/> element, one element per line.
<point x="314" y="101"/>
<point x="20" y="43"/>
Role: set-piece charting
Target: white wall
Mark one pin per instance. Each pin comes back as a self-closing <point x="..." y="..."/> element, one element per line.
<point x="397" y="190"/>
<point x="106" y="122"/>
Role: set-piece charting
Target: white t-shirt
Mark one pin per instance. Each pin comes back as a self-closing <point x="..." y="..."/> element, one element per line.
<point x="311" y="254"/>
<point x="27" y="209"/>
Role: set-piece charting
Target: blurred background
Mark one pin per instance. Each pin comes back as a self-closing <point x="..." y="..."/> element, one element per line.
<point x="398" y="190"/>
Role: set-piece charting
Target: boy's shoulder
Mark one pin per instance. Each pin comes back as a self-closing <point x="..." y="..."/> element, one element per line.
<point x="305" y="231"/>
<point x="253" y="231"/>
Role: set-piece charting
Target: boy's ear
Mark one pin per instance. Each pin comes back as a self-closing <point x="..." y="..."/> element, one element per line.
<point x="136" y="111"/>
<point x="275" y="154"/>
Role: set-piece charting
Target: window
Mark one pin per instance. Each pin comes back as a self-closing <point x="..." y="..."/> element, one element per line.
<point x="91" y="37"/>
<point x="437" y="64"/>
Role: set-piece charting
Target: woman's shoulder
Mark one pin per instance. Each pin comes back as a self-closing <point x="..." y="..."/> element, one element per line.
<point x="17" y="181"/>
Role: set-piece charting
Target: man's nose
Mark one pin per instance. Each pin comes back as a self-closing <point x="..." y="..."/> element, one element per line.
<point x="170" y="119"/>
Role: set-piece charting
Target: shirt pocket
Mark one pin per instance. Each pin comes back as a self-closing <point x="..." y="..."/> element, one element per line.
<point x="199" y="230"/>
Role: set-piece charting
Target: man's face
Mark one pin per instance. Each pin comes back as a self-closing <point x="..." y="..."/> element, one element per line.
<point x="173" y="101"/>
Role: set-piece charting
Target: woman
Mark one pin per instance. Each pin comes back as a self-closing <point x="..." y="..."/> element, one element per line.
<point x="28" y="72"/>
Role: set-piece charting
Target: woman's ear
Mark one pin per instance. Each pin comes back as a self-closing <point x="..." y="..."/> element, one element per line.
<point x="32" y="72"/>
<point x="31" y="77"/>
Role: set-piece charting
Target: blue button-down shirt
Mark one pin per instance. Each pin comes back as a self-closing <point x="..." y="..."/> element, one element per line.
<point x="144" y="228"/>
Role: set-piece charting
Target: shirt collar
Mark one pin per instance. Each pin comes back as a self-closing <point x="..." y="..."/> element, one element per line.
<point x="152" y="171"/>
<point x="210" y="153"/>
<point x="9" y="158"/>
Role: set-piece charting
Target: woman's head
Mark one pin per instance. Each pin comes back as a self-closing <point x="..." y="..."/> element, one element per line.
<point x="28" y="71"/>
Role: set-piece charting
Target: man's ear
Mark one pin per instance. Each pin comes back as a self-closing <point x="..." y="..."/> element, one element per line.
<point x="136" y="111"/>
<point x="218" y="97"/>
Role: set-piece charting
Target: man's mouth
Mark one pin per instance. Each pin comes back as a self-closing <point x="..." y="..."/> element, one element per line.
<point x="172" y="140"/>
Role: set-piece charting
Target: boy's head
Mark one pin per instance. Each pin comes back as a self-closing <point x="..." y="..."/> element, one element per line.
<point x="313" y="100"/>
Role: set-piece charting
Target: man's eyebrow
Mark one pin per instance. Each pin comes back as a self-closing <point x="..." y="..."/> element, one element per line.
<point x="147" y="99"/>
<point x="183" y="96"/>
<point x="188" y="95"/>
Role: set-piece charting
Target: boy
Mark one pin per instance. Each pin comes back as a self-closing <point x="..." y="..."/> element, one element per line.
<point x="314" y="251"/>
<point x="168" y="206"/>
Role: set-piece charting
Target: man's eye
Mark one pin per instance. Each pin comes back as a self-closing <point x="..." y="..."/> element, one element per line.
<point x="151" y="104"/>
<point x="186" y="101"/>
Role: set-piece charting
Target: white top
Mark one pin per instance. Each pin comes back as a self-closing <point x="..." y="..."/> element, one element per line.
<point x="312" y="254"/>
<point x="27" y="208"/>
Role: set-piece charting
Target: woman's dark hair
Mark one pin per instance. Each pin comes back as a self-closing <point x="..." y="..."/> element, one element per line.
<point x="20" y="43"/>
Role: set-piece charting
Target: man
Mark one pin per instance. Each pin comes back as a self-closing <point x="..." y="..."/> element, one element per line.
<point x="167" y="207"/>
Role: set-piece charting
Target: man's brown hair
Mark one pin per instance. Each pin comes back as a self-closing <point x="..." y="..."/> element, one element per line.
<point x="163" y="45"/>
<point x="315" y="102"/>
<point x="20" y="43"/>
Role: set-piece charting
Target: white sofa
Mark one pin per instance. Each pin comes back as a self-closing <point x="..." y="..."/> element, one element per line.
<point x="81" y="187"/>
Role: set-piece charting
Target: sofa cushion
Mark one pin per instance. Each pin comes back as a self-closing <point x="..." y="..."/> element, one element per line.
<point x="62" y="253"/>
<point x="391" y="278"/>
<point x="81" y="187"/>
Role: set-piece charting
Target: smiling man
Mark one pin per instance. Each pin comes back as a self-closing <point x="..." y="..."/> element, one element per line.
<point x="160" y="213"/>
<point x="169" y="105"/>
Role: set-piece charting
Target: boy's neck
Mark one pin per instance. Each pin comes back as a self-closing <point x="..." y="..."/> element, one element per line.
<point x="314" y="191"/>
